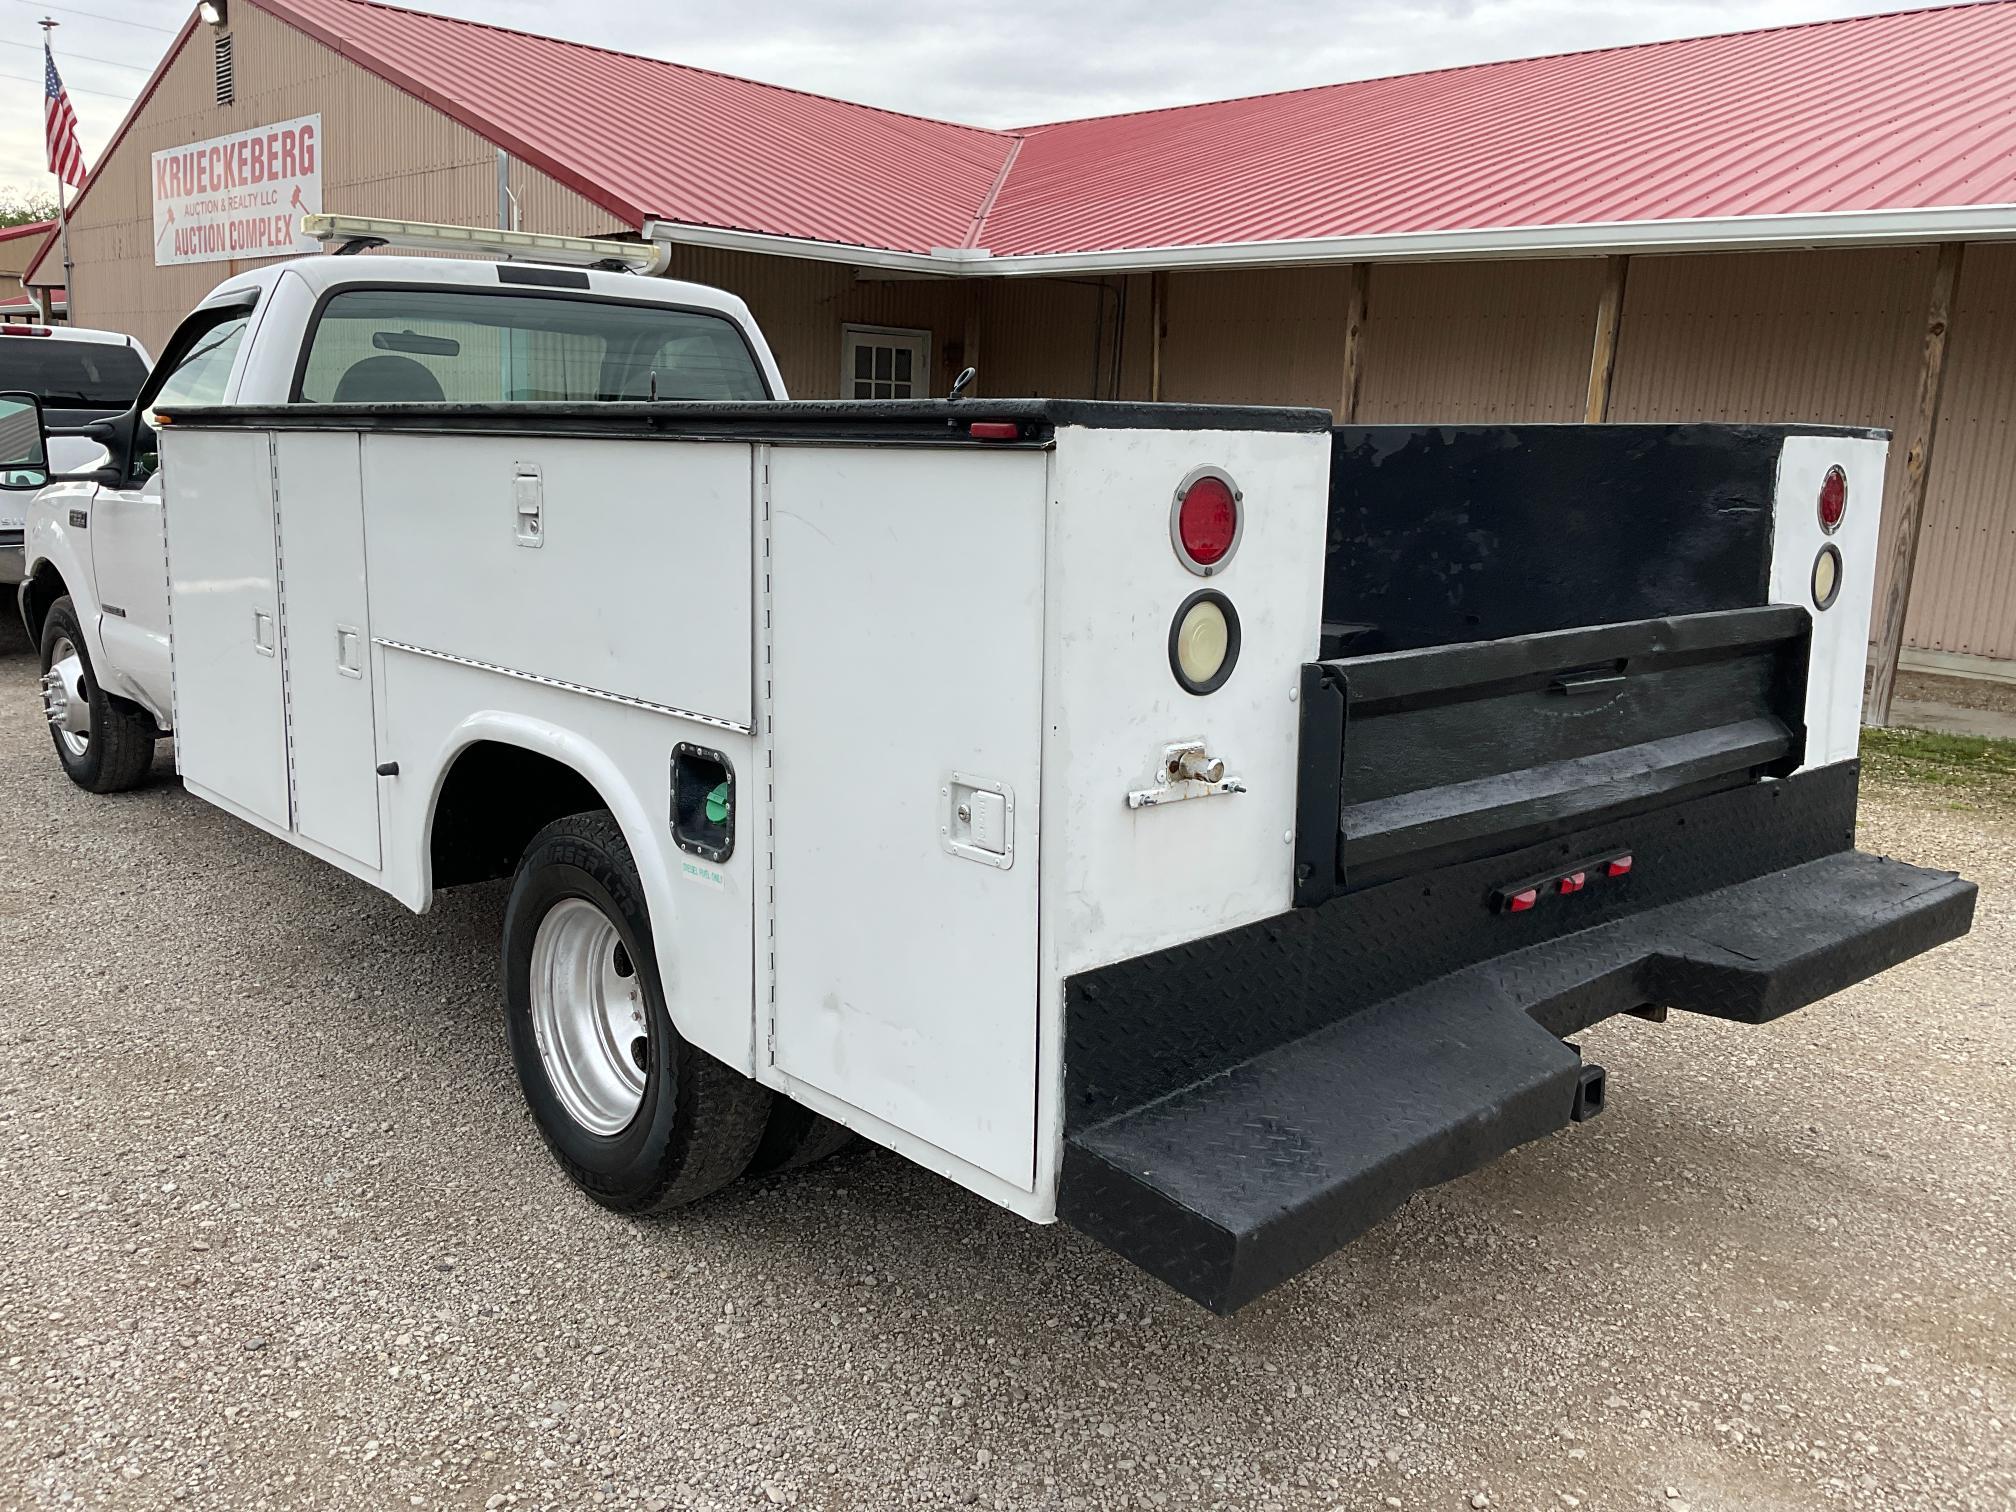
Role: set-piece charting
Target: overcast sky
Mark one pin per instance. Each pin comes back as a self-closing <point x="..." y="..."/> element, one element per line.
<point x="998" y="65"/>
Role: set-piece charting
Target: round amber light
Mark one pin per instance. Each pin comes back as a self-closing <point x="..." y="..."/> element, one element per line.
<point x="1826" y="577"/>
<point x="1204" y="641"/>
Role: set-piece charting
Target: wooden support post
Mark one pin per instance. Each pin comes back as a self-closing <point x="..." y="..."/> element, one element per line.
<point x="1158" y="327"/>
<point x="1909" y="525"/>
<point x="1603" y="355"/>
<point x="1355" y="311"/>
<point x="969" y="350"/>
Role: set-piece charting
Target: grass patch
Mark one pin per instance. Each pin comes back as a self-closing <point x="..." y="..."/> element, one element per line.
<point x="1967" y="766"/>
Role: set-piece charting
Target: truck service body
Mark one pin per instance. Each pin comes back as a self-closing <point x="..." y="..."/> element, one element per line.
<point x="1202" y="824"/>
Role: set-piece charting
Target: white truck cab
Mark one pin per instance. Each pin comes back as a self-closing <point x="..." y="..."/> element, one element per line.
<point x="1202" y="824"/>
<point x="97" y="540"/>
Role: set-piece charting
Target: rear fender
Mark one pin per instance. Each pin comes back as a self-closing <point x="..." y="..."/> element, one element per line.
<point x="723" y="1029"/>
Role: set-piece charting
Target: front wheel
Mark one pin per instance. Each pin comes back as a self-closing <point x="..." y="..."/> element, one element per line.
<point x="640" y="1119"/>
<point x="106" y="744"/>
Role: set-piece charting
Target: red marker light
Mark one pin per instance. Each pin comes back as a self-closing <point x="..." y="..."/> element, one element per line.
<point x="1520" y="902"/>
<point x="23" y="330"/>
<point x="1833" y="499"/>
<point x="1574" y="882"/>
<point x="1618" y="868"/>
<point x="994" y="430"/>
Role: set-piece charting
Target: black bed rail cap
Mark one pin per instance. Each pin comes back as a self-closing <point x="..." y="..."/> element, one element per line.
<point x="1036" y="420"/>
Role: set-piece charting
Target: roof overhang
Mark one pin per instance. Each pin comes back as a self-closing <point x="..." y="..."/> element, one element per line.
<point x="1741" y="233"/>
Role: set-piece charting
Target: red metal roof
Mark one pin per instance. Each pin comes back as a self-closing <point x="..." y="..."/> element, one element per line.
<point x="1907" y="111"/>
<point x="30" y="228"/>
<point x="648" y="138"/>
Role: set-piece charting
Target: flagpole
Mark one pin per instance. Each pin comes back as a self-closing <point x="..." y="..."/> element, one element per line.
<point x="62" y="221"/>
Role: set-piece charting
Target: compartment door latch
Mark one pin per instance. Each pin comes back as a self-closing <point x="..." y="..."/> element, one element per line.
<point x="979" y="820"/>
<point x="528" y="500"/>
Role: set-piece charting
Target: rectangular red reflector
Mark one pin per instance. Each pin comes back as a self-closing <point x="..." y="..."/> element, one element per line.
<point x="994" y="430"/>
<point x="1519" y="902"/>
<point x="1574" y="882"/>
<point x="1621" y="866"/>
<point x="23" y="330"/>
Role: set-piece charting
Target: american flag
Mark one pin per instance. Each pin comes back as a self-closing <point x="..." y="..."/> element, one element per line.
<point x="59" y="123"/>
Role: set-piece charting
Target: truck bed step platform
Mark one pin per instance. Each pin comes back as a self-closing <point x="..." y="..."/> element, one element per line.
<point x="1230" y="1186"/>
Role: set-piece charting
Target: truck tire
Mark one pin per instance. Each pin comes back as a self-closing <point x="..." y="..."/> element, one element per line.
<point x="640" y="1120"/>
<point x="796" y="1137"/>
<point x="106" y="744"/>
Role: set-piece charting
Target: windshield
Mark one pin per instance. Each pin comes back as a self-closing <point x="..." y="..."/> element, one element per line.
<point x="72" y="374"/>
<point x="418" y="345"/>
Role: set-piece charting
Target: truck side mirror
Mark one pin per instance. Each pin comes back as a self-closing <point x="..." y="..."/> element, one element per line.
<point x="24" y="446"/>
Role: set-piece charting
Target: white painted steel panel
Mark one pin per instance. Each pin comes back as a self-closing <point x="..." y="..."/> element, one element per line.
<point x="434" y="710"/>
<point x="230" y="735"/>
<point x="1136" y="880"/>
<point x="1840" y="633"/>
<point x="641" y="585"/>
<point x="907" y="592"/>
<point x="128" y="566"/>
<point x="328" y="642"/>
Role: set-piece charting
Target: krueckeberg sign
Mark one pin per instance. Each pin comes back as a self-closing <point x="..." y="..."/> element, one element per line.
<point x="238" y="196"/>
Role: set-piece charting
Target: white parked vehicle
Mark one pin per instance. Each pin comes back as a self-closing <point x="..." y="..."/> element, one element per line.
<point x="1198" y="823"/>
<point x="79" y="375"/>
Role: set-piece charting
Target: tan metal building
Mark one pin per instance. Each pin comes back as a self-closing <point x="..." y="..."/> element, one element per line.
<point x="1379" y="328"/>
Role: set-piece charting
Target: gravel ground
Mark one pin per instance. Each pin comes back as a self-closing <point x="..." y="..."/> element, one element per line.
<point x="275" y="1232"/>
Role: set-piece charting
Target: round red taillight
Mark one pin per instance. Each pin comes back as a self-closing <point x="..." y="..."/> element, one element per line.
<point x="1833" y="499"/>
<point x="1204" y="526"/>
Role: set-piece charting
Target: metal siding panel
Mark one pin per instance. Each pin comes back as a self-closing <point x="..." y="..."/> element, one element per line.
<point x="1265" y="336"/>
<point x="1965" y="598"/>
<point x="1504" y="342"/>
<point x="800" y="307"/>
<point x="1821" y="337"/>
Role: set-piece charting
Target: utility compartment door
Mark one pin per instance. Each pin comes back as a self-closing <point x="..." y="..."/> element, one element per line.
<point x="224" y="607"/>
<point x="328" y="642"/>
<point x="907" y="682"/>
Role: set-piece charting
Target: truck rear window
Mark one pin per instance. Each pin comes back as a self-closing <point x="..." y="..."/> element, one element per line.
<point x="72" y="374"/>
<point x="417" y="345"/>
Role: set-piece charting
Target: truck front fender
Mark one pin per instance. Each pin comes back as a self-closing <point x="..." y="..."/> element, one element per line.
<point x="56" y="560"/>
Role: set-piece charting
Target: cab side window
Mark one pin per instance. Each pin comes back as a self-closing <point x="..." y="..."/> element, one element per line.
<point x="200" y="377"/>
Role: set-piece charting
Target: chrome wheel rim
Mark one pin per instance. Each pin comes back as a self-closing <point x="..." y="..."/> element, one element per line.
<point x="66" y="699"/>
<point x="589" y="1016"/>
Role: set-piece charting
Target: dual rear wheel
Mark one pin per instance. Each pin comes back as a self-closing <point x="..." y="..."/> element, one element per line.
<point x="640" y="1119"/>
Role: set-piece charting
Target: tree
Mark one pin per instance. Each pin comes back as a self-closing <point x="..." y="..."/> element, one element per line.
<point x="23" y="207"/>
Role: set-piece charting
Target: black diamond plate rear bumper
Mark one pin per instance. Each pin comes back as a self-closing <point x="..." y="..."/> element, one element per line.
<point x="1246" y="1174"/>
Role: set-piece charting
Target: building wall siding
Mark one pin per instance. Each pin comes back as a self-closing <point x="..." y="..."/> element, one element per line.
<point x="1833" y="337"/>
<point x="1964" y="598"/>
<point x="801" y="307"/>
<point x="383" y="153"/>
<point x="1478" y="342"/>
<point x="1264" y="336"/>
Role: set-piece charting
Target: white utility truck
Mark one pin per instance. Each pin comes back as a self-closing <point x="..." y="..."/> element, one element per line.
<point x="1205" y="825"/>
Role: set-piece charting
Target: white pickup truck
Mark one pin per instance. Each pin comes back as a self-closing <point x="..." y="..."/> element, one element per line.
<point x="1202" y="824"/>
